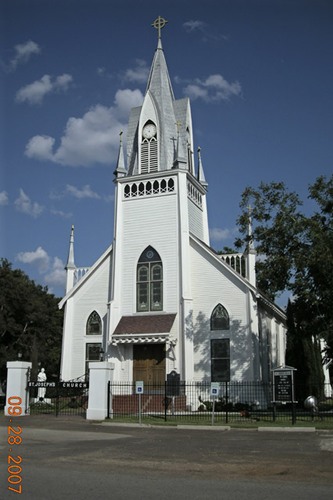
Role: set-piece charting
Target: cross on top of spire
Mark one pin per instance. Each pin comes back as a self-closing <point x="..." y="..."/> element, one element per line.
<point x="159" y="23"/>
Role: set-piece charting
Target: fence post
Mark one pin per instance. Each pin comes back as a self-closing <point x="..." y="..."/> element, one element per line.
<point x="108" y="399"/>
<point x="16" y="385"/>
<point x="226" y="403"/>
<point x="165" y="401"/>
<point x="57" y="399"/>
<point x="293" y="410"/>
<point x="100" y="372"/>
<point x="27" y="393"/>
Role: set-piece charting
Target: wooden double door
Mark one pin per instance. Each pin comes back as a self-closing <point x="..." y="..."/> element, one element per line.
<point x="149" y="363"/>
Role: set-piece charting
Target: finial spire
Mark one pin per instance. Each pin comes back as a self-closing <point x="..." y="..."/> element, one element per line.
<point x="179" y="161"/>
<point x="120" y="169"/>
<point x="158" y="24"/>
<point x="250" y="230"/>
<point x="70" y="261"/>
<point x="201" y="174"/>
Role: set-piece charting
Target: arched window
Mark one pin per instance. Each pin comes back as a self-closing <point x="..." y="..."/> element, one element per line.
<point x="94" y="324"/>
<point x="219" y="319"/>
<point x="149" y="276"/>
<point x="149" y="148"/>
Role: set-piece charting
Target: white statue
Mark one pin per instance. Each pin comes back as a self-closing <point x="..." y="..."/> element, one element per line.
<point x="41" y="378"/>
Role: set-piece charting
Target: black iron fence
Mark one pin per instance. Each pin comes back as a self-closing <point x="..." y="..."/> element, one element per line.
<point x="231" y="402"/>
<point x="58" y="398"/>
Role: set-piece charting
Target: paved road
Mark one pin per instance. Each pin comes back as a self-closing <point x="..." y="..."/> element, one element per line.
<point x="70" y="458"/>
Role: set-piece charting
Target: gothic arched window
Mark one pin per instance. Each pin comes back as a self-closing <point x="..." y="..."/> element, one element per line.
<point x="149" y="148"/>
<point x="149" y="279"/>
<point x="94" y="324"/>
<point x="219" y="319"/>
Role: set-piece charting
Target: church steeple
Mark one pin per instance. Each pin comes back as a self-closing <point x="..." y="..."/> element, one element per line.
<point x="250" y="252"/>
<point x="159" y="83"/>
<point x="201" y="174"/>
<point x="159" y="132"/>
<point x="120" y="169"/>
<point x="180" y="160"/>
<point x="70" y="266"/>
<point x="70" y="260"/>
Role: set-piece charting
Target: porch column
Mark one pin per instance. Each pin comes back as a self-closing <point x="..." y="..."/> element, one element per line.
<point x="100" y="373"/>
<point x="17" y="382"/>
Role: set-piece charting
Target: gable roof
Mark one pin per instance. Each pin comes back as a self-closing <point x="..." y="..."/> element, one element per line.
<point x="88" y="274"/>
<point x="260" y="297"/>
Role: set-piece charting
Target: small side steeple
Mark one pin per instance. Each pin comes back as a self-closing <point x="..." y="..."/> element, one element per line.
<point x="120" y="169"/>
<point x="250" y="252"/>
<point x="70" y="266"/>
<point x="201" y="174"/>
<point x="180" y="160"/>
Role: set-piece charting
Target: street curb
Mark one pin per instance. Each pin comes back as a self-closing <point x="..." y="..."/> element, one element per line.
<point x="205" y="427"/>
<point x="181" y="427"/>
<point x="286" y="429"/>
<point x="208" y="427"/>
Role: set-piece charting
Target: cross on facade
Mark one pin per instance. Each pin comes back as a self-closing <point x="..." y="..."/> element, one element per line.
<point x="159" y="23"/>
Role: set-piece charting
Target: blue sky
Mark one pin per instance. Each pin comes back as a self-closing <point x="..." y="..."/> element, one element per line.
<point x="259" y="75"/>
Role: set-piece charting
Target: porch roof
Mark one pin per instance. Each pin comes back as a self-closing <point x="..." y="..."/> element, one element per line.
<point x="145" y="324"/>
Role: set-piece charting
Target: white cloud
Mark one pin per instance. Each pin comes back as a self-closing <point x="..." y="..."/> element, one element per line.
<point x="60" y="213"/>
<point x="25" y="205"/>
<point x="218" y="234"/>
<point x="196" y="92"/>
<point x="57" y="274"/>
<point x="23" y="52"/>
<point x="92" y="139"/>
<point x="52" y="268"/>
<point x="101" y="71"/>
<point x="62" y="82"/>
<point x="40" y="147"/>
<point x="85" y="192"/>
<point x="194" y="25"/>
<point x="204" y="30"/>
<point x="3" y="198"/>
<point x="124" y="101"/>
<point x="213" y="88"/>
<point x="35" y="92"/>
<point x="39" y="257"/>
<point x="138" y="74"/>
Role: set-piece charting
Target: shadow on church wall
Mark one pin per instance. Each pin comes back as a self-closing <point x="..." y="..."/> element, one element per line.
<point x="244" y="347"/>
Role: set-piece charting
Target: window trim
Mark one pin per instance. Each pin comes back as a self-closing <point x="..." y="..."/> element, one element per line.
<point x="148" y="286"/>
<point x="223" y="360"/>
<point x="224" y="317"/>
<point x="94" y="315"/>
<point x="149" y="147"/>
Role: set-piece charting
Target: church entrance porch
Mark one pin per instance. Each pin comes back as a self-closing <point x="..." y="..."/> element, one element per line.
<point x="149" y="363"/>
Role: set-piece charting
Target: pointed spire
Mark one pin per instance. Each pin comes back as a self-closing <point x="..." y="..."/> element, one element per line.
<point x="70" y="261"/>
<point x="180" y="160"/>
<point x="120" y="169"/>
<point x="159" y="81"/>
<point x="250" y="252"/>
<point x="250" y="247"/>
<point x="201" y="174"/>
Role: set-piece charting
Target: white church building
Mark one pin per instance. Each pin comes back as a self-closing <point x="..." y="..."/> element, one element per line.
<point x="160" y="298"/>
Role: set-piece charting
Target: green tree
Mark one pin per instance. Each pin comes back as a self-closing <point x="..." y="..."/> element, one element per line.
<point x="296" y="254"/>
<point x="30" y="322"/>
<point x="303" y="353"/>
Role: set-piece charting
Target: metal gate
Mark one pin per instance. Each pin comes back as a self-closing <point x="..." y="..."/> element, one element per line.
<point x="58" y="398"/>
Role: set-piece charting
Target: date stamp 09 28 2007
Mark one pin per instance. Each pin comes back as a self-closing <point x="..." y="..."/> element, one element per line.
<point x="14" y="439"/>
